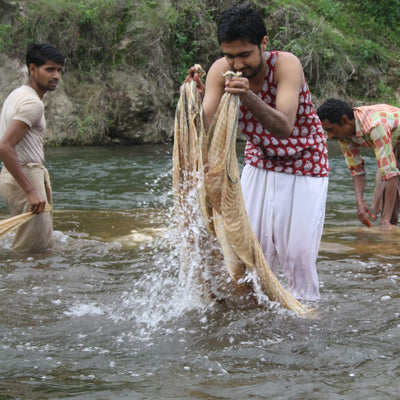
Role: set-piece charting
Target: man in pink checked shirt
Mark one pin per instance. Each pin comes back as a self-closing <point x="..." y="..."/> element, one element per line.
<point x="378" y="127"/>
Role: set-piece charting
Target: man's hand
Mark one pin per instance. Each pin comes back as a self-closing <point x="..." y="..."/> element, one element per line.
<point x="363" y="209"/>
<point x="36" y="202"/>
<point x="194" y="74"/>
<point x="364" y="212"/>
<point x="237" y="85"/>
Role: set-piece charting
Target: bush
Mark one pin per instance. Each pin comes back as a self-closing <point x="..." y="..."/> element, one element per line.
<point x="348" y="49"/>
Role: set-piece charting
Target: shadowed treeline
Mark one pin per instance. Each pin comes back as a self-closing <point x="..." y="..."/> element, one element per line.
<point x="126" y="59"/>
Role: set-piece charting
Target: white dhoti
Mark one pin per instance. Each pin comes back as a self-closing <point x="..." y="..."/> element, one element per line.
<point x="36" y="234"/>
<point x="287" y="215"/>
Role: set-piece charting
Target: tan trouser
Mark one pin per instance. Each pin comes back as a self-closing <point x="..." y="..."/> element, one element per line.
<point x="37" y="234"/>
<point x="379" y="191"/>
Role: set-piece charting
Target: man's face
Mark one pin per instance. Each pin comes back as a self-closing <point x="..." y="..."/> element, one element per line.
<point x="336" y="131"/>
<point x="47" y="75"/>
<point x="243" y="57"/>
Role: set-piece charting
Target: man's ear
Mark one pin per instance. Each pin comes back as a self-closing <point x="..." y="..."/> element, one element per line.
<point x="31" y="68"/>
<point x="344" y="120"/>
<point x="264" y="43"/>
<point x="349" y="124"/>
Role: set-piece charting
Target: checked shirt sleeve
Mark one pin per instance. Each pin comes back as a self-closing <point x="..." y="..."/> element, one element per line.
<point x="352" y="155"/>
<point x="382" y="144"/>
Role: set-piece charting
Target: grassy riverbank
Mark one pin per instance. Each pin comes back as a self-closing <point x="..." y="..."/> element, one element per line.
<point x="348" y="49"/>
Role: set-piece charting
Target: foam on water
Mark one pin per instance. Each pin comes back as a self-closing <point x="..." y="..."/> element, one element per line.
<point x="79" y="310"/>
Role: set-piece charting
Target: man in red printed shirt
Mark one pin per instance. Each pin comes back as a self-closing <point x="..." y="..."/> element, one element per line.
<point x="285" y="177"/>
<point x="376" y="126"/>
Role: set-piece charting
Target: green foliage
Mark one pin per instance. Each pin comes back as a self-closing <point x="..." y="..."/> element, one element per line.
<point x="84" y="131"/>
<point x="348" y="49"/>
<point x="383" y="13"/>
<point x="194" y="39"/>
<point x="147" y="34"/>
<point x="329" y="9"/>
<point x="386" y="92"/>
<point x="86" y="30"/>
<point x="343" y="50"/>
<point x="5" y="38"/>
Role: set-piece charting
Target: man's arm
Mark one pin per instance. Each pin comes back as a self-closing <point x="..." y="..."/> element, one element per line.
<point x="214" y="89"/>
<point x="15" y="132"/>
<point x="363" y="209"/>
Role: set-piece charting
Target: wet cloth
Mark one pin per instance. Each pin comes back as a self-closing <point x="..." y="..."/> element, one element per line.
<point x="287" y="215"/>
<point x="304" y="152"/>
<point x="379" y="191"/>
<point x="36" y="234"/>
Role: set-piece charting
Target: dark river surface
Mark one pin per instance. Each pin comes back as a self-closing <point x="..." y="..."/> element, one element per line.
<point x="107" y="314"/>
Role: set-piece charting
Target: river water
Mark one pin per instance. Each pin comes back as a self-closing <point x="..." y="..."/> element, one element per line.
<point x="107" y="314"/>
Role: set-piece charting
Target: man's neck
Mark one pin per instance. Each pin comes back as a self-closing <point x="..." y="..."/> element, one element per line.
<point x="41" y="92"/>
<point x="257" y="83"/>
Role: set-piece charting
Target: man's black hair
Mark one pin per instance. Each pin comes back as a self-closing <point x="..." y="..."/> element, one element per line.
<point x="241" y="22"/>
<point x="333" y="110"/>
<point x="38" y="53"/>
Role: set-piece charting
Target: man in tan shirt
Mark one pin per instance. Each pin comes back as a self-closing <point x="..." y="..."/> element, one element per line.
<point x="24" y="180"/>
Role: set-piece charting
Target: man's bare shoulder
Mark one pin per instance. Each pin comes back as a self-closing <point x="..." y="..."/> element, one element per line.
<point x="217" y="69"/>
<point x="288" y="68"/>
<point x="286" y="57"/>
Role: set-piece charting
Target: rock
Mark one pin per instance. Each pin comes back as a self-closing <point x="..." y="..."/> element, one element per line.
<point x="13" y="73"/>
<point x="136" y="108"/>
<point x="142" y="108"/>
<point x="60" y="118"/>
<point x="7" y="11"/>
